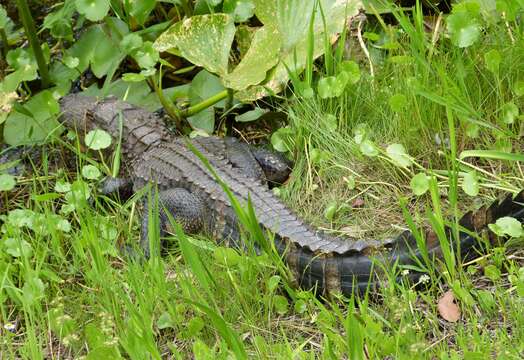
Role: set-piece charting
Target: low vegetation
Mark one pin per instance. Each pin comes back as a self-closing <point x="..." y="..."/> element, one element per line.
<point x="393" y="116"/>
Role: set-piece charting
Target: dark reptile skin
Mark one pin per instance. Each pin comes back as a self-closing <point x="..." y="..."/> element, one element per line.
<point x="197" y="201"/>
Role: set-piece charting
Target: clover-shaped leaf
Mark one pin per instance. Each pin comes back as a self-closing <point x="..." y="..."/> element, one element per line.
<point x="509" y="113"/>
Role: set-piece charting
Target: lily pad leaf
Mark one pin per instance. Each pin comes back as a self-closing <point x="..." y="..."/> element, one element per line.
<point x="470" y="183"/>
<point x="261" y="56"/>
<point x="463" y="28"/>
<point x="368" y="148"/>
<point x="97" y="139"/>
<point x="7" y="182"/>
<point x="93" y="10"/>
<point x="420" y="184"/>
<point x="398" y="154"/>
<point x="204" y="40"/>
<point x="507" y="226"/>
<point x="509" y="113"/>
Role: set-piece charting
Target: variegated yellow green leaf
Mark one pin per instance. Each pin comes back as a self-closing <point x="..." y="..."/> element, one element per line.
<point x="261" y="56"/>
<point x="205" y="40"/>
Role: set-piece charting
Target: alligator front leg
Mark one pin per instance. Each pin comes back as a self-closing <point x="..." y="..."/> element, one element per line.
<point x="184" y="207"/>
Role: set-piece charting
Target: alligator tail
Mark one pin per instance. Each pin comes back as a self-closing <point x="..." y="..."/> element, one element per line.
<point x="355" y="272"/>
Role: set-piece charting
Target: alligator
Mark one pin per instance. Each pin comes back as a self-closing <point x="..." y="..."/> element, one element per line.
<point x="190" y="192"/>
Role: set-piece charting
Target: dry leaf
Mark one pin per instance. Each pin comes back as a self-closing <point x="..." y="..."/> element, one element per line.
<point x="447" y="308"/>
<point x="357" y="203"/>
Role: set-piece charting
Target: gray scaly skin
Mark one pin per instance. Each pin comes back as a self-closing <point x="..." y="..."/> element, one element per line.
<point x="193" y="197"/>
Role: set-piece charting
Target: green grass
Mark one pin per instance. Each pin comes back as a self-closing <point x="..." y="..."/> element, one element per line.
<point x="65" y="292"/>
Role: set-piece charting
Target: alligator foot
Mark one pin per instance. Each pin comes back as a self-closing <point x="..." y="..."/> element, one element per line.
<point x="184" y="207"/>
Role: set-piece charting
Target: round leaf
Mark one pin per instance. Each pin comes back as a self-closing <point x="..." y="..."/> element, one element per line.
<point x="509" y="113"/>
<point x="518" y="88"/>
<point x="90" y="172"/>
<point x="352" y="70"/>
<point x="507" y="226"/>
<point x="470" y="183"/>
<point x="7" y="182"/>
<point x="97" y="139"/>
<point x="419" y="184"/>
<point x="93" y="10"/>
<point x="368" y="148"/>
<point x="464" y="29"/>
<point x="398" y="102"/>
<point x="398" y="154"/>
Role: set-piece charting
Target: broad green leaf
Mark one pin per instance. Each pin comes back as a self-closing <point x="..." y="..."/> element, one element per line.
<point x="7" y="182"/>
<point x="261" y="56"/>
<point x="106" y="56"/>
<point x="251" y="115"/>
<point x="204" y="40"/>
<point x="282" y="139"/>
<point x="203" y="86"/>
<point x="294" y="59"/>
<point x="21" y="129"/>
<point x="470" y="183"/>
<point x="419" y="184"/>
<point x="464" y="28"/>
<point x="507" y="226"/>
<point x="492" y="272"/>
<point x="97" y="139"/>
<point x="398" y="154"/>
<point x="492" y="60"/>
<point x="398" y="102"/>
<point x="140" y="9"/>
<point x="17" y="247"/>
<point x="368" y="148"/>
<point x="93" y="10"/>
<point x="131" y="42"/>
<point x="509" y="112"/>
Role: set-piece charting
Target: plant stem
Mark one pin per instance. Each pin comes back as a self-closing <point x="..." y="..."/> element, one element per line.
<point x="192" y="110"/>
<point x="170" y="108"/>
<point x="5" y="44"/>
<point x="30" y="31"/>
<point x="229" y="101"/>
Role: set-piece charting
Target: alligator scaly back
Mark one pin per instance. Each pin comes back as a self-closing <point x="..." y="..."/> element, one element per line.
<point x="331" y="264"/>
